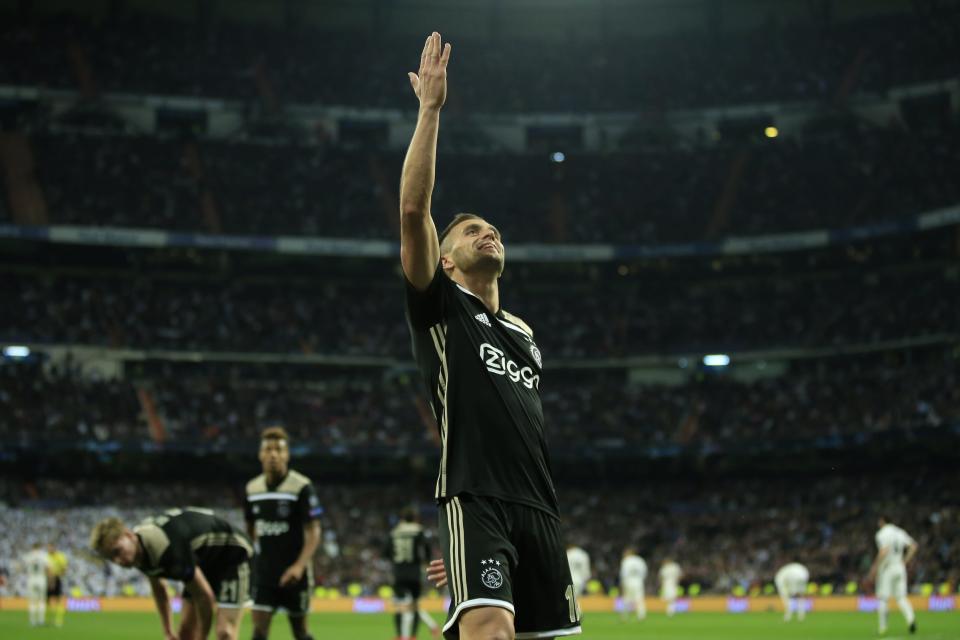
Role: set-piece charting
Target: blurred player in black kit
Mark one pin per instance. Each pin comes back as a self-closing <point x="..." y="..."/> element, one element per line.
<point x="282" y="512"/>
<point x="408" y="550"/>
<point x="499" y="520"/>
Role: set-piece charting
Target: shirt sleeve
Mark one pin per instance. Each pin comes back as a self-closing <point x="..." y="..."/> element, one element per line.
<point x="426" y="308"/>
<point x="309" y="504"/>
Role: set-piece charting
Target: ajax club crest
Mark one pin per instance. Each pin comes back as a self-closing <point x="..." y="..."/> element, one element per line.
<point x="536" y="355"/>
<point x="490" y="575"/>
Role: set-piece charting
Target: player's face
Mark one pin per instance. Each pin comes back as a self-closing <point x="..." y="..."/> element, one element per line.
<point x="477" y="246"/>
<point x="274" y="456"/>
<point x="124" y="551"/>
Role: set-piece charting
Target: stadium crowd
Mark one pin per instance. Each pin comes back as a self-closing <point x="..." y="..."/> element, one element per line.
<point x="724" y="532"/>
<point x="850" y="175"/>
<point x="585" y="408"/>
<point x="575" y="316"/>
<point x="803" y="60"/>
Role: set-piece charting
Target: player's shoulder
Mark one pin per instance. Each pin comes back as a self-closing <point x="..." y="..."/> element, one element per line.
<point x="155" y="539"/>
<point x="407" y="528"/>
<point x="517" y="320"/>
<point x="257" y="485"/>
<point x="294" y="482"/>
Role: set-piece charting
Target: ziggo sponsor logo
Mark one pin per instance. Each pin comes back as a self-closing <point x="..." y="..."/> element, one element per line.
<point x="497" y="363"/>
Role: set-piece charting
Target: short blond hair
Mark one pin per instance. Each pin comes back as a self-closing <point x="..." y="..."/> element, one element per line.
<point x="105" y="533"/>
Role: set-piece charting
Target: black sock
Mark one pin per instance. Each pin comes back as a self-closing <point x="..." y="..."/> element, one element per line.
<point x="396" y="623"/>
<point x="416" y="623"/>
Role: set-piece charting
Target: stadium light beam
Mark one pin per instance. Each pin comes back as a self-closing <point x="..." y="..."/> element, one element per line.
<point x="16" y="351"/>
<point x="716" y="360"/>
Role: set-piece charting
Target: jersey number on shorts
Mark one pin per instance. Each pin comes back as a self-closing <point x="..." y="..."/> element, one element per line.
<point x="228" y="591"/>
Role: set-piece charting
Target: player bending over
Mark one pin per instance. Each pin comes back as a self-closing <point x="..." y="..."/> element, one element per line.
<point x="499" y="517"/>
<point x="791" y="582"/>
<point x="193" y="546"/>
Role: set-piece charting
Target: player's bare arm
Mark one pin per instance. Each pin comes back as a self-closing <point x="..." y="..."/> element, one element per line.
<point x="311" y="540"/>
<point x="162" y="600"/>
<point x="204" y="602"/>
<point x="876" y="563"/>
<point x="419" y="247"/>
<point x="911" y="552"/>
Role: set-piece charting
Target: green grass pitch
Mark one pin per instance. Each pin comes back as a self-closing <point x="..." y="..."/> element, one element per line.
<point x="698" y="626"/>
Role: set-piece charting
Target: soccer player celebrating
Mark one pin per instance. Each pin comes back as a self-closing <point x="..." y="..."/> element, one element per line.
<point x="791" y="582"/>
<point x="407" y="549"/>
<point x="282" y="512"/>
<point x="58" y="569"/>
<point x="499" y="518"/>
<point x="579" y="562"/>
<point x="192" y="546"/>
<point x="633" y="573"/>
<point x="36" y="562"/>
<point x="890" y="570"/>
<point x="670" y="575"/>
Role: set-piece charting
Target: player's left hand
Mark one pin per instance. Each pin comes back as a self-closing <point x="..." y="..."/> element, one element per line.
<point x="292" y="575"/>
<point x="436" y="573"/>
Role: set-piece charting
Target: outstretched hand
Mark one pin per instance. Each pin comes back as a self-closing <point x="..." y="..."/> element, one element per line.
<point x="430" y="84"/>
<point x="436" y="573"/>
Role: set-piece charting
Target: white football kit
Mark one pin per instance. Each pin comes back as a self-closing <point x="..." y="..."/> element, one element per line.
<point x="791" y="581"/>
<point x="670" y="581"/>
<point x="892" y="572"/>
<point x="36" y="563"/>
<point x="579" y="568"/>
<point x="633" y="573"/>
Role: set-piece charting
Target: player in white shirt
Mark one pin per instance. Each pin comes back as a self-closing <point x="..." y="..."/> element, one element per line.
<point x="895" y="550"/>
<point x="670" y="575"/>
<point x="633" y="573"/>
<point x="579" y="568"/>
<point x="791" y="581"/>
<point x="36" y="563"/>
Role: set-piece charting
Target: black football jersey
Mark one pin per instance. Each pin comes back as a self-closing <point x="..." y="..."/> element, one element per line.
<point x="180" y="540"/>
<point x="483" y="372"/>
<point x="408" y="550"/>
<point x="278" y="514"/>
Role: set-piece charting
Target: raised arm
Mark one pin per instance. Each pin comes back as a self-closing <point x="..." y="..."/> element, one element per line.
<point x="419" y="247"/>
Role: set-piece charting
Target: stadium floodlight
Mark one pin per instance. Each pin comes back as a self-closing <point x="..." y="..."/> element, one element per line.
<point x="558" y="156"/>
<point x="771" y="132"/>
<point x="16" y="351"/>
<point x="716" y="360"/>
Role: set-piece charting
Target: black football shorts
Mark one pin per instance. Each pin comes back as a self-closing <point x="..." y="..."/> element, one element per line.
<point x="507" y="555"/>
